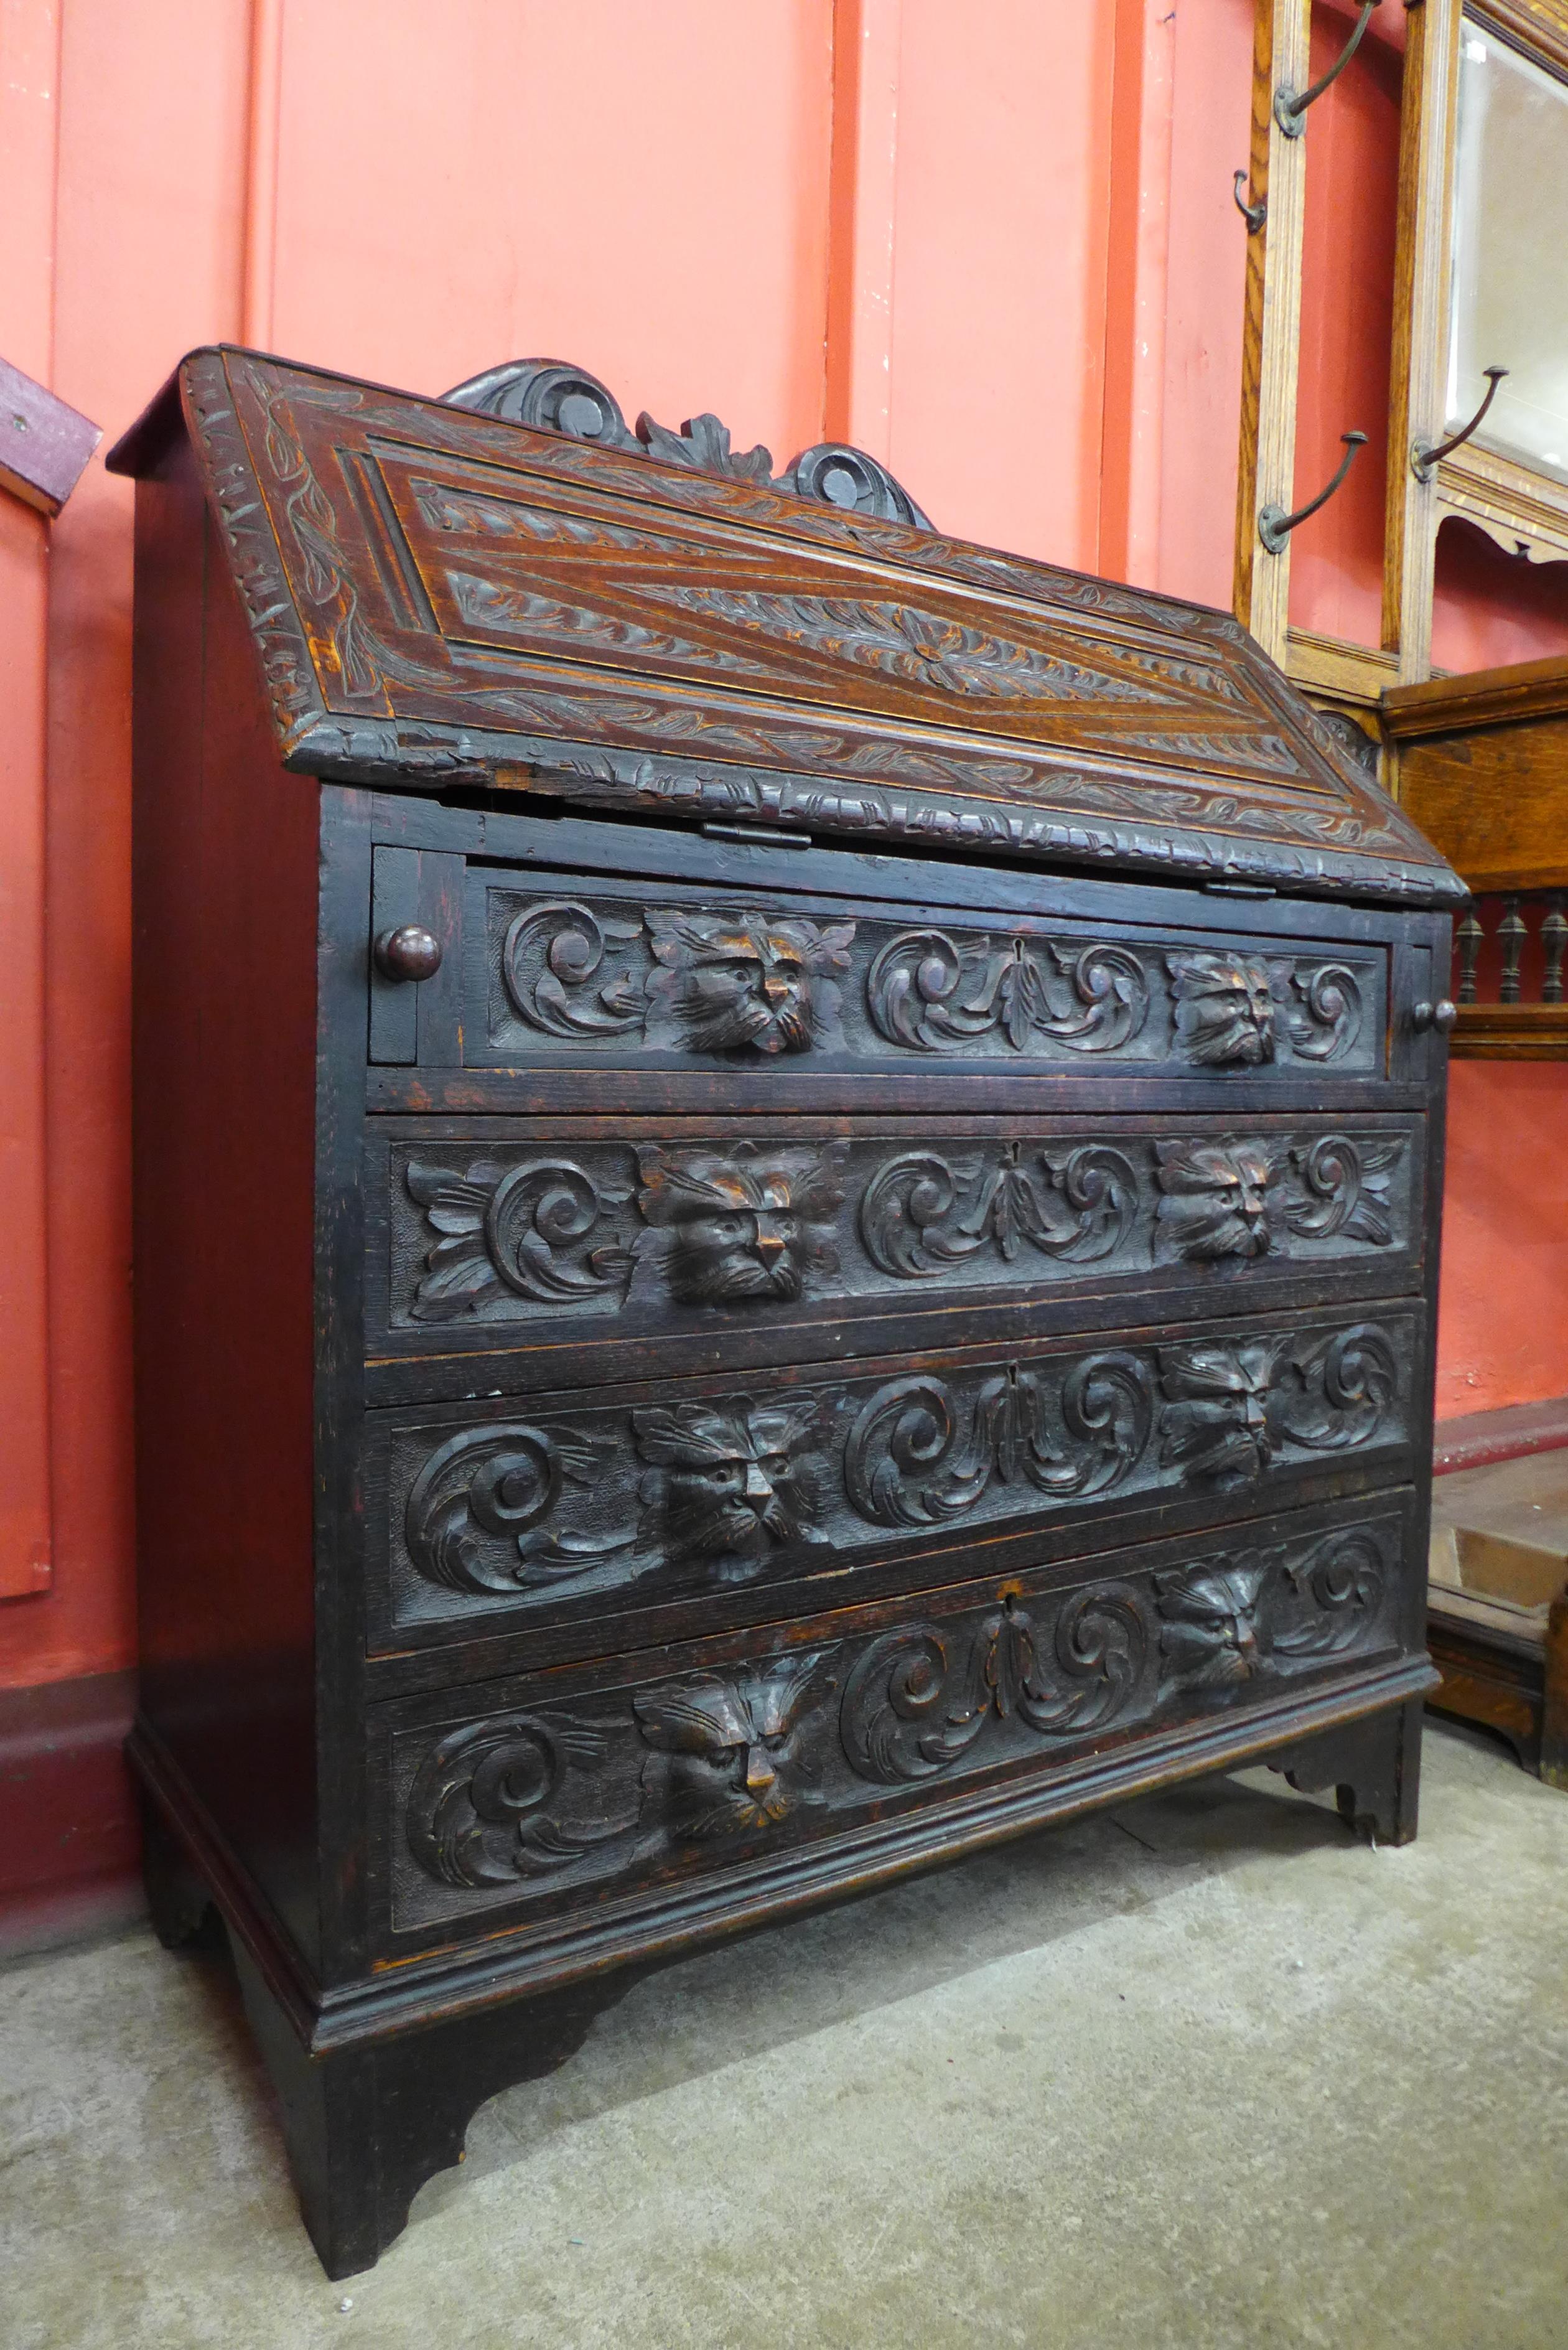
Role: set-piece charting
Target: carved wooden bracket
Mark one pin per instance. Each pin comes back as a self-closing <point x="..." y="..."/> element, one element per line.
<point x="553" y="396"/>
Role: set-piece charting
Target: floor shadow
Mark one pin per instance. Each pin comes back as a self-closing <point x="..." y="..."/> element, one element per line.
<point x="785" y="1982"/>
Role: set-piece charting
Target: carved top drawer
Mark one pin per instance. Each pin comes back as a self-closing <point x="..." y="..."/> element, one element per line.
<point x="560" y="972"/>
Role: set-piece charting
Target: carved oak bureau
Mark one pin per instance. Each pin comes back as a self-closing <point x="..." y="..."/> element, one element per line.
<point x="786" y="1190"/>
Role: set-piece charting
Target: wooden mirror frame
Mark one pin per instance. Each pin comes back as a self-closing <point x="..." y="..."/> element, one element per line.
<point x="1526" y="512"/>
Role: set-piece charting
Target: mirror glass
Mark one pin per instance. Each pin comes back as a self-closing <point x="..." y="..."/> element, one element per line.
<point x="1509" y="302"/>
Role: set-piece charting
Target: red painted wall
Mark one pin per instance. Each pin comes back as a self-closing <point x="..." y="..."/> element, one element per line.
<point x="1501" y="1333"/>
<point x="1009" y="262"/>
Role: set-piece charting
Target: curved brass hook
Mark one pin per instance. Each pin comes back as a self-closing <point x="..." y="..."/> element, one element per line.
<point x="1425" y="459"/>
<point x="1290" y="105"/>
<point x="1253" y="215"/>
<point x="1274" y="525"/>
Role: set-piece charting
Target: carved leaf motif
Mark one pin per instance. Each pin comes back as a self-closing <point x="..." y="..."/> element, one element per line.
<point x="510" y="1227"/>
<point x="1341" y="1585"/>
<point x="1348" y="1381"/>
<point x="907" y="1463"/>
<point x="702" y="443"/>
<point x="911" y="1710"/>
<point x="1346" y="1185"/>
<point x="523" y="612"/>
<point x="1101" y="1642"/>
<point x="917" y="647"/>
<point x="914" y="1225"/>
<point x="478" y="515"/>
<point x="925" y="991"/>
<point x="1327" y="1010"/>
<point x="550" y="960"/>
<point x="502" y="1482"/>
<point x="484" y="1807"/>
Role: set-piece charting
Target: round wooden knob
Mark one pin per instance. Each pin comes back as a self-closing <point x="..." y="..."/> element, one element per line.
<point x="408" y="953"/>
<point x="1440" y="1015"/>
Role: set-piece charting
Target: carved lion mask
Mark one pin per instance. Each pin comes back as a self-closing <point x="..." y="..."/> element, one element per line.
<point x="735" y="1480"/>
<point x="747" y="980"/>
<point x="742" y="1225"/>
<point x="730" y="1751"/>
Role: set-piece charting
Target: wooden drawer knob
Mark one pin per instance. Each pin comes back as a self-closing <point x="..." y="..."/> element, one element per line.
<point x="1440" y="1015"/>
<point x="410" y="951"/>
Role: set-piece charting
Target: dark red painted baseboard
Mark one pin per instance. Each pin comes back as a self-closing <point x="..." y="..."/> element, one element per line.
<point x="70" y="1839"/>
<point x="1480" y="1438"/>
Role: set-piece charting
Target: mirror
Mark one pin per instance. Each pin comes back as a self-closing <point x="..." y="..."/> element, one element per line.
<point x="1510" y="294"/>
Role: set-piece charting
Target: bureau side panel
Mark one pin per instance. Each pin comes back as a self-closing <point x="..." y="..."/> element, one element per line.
<point x="223" y="981"/>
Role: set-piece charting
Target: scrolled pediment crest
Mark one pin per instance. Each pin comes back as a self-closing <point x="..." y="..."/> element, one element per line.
<point x="553" y="396"/>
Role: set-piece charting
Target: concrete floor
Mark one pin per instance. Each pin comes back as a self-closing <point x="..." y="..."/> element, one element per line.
<point x="1204" y="2072"/>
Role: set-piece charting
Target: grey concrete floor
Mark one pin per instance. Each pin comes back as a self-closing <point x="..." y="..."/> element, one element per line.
<point x="1205" y="2071"/>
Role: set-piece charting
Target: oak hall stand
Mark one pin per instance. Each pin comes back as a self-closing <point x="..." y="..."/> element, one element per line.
<point x="786" y="1200"/>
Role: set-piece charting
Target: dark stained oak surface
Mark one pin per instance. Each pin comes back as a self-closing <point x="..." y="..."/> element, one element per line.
<point x="701" y="1349"/>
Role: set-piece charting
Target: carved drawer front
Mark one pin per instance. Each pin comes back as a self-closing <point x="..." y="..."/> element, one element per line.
<point x="572" y="1239"/>
<point x="576" y="974"/>
<point x="537" y="1797"/>
<point x="624" y="1499"/>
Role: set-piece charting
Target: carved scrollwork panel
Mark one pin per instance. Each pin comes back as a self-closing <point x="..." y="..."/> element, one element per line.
<point x="1231" y="1408"/>
<point x="609" y="975"/>
<point x="478" y="1517"/>
<point x="486" y="1805"/>
<point x="920" y="1215"/>
<point x="916" y="1701"/>
<point x="914" y="1458"/>
<point x="559" y="1799"/>
<point x="711" y="1490"/>
<point x="683" y="1228"/>
<point x="935" y="993"/>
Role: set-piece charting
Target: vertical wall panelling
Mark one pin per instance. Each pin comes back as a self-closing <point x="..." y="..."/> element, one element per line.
<point x="152" y="146"/>
<point x="643" y="191"/>
<point x="263" y="98"/>
<point x="864" y="212"/>
<point x="29" y="84"/>
<point x="1206" y="272"/>
<point x="1272" y="329"/>
<point x="1136" y="283"/>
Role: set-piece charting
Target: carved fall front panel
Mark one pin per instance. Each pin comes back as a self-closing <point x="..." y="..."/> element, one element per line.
<point x="743" y="982"/>
<point x="482" y="1233"/>
<point x="687" y="1770"/>
<point x="435" y="594"/>
<point x="724" y="1487"/>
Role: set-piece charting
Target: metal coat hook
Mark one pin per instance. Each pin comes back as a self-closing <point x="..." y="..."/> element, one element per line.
<point x="1424" y="458"/>
<point x="1290" y="105"/>
<point x="1274" y="525"/>
<point x="1253" y="215"/>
